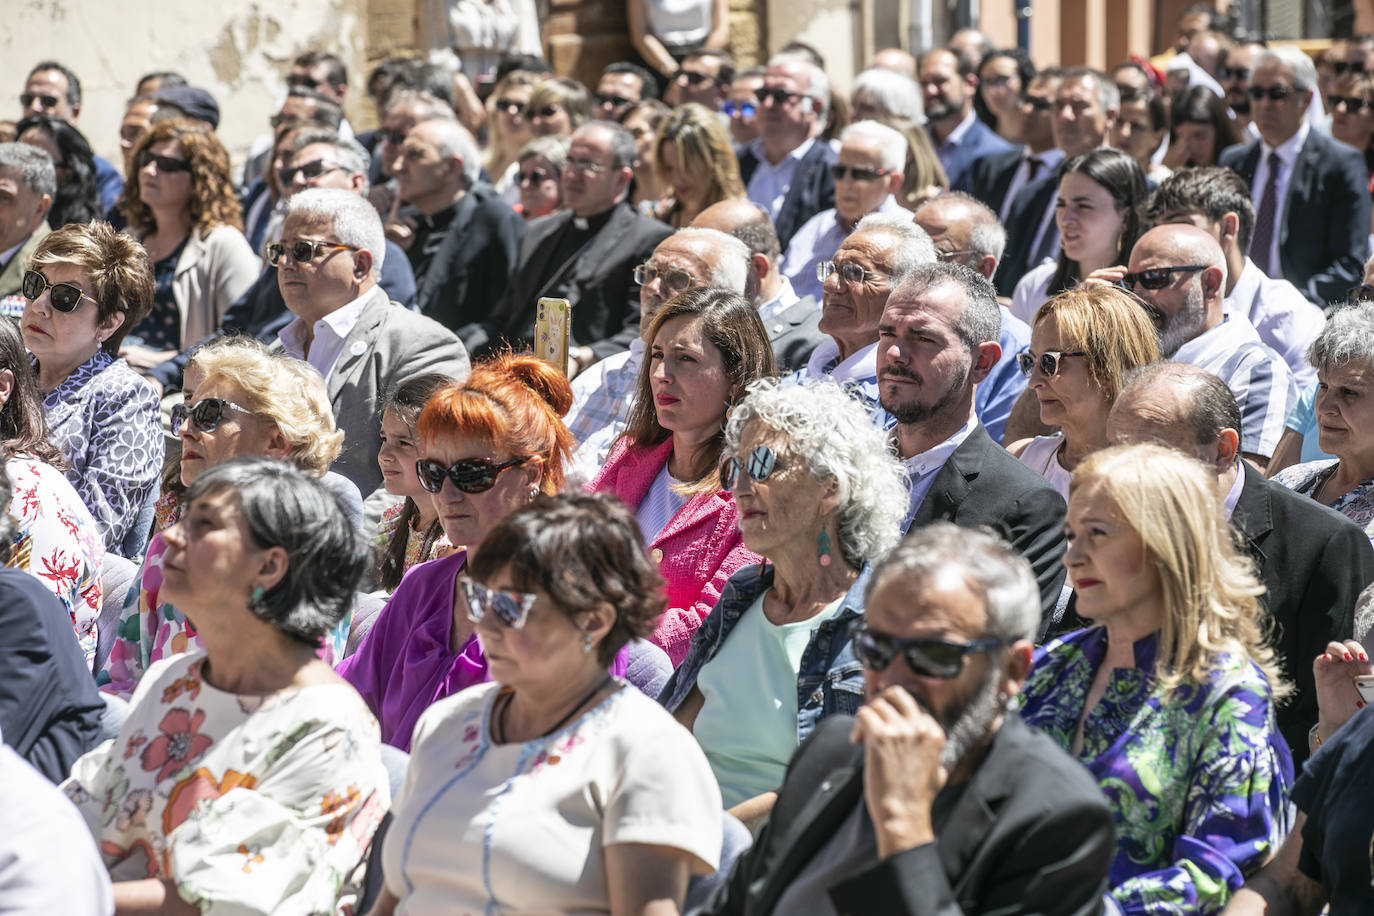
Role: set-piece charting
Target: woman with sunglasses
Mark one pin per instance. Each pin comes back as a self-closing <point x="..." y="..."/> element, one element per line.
<point x="78" y="194"/>
<point x="181" y="206"/>
<point x="509" y="130"/>
<point x="558" y="106"/>
<point x="819" y="496"/>
<point x="85" y="286"/>
<point x="694" y="162"/>
<point x="247" y="777"/>
<point x="539" y="174"/>
<point x="1083" y="343"/>
<point x="1168" y="699"/>
<point x="705" y="347"/>
<point x="619" y="797"/>
<point x="249" y="402"/>
<point x="1351" y="104"/>
<point x="1100" y="215"/>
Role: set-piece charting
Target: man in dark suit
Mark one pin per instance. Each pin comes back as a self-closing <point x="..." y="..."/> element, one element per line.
<point x="787" y="169"/>
<point x="997" y="179"/>
<point x="938" y="338"/>
<point x="462" y="237"/>
<point x="1313" y="561"/>
<point x="1311" y="192"/>
<point x="934" y="798"/>
<point x="586" y="254"/>
<point x="949" y="81"/>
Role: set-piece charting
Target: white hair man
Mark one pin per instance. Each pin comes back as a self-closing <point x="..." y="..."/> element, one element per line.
<point x="28" y="182"/>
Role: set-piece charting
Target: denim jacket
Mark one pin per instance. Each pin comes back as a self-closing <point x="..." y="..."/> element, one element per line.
<point x="830" y="679"/>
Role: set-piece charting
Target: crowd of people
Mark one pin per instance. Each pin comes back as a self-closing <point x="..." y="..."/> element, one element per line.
<point x="958" y="496"/>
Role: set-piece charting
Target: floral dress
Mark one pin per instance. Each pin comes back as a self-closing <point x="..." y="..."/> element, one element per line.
<point x="1198" y="781"/>
<point x="249" y="804"/>
<point x="419" y="549"/>
<point x="1357" y="505"/>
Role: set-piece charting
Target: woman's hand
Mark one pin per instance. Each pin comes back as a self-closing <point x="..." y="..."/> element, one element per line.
<point x="644" y="880"/>
<point x="1107" y="276"/>
<point x="150" y="896"/>
<point x="141" y="358"/>
<point x="1335" y="671"/>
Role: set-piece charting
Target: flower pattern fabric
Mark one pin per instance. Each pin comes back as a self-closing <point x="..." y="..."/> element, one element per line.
<point x="57" y="541"/>
<point x="1357" y="505"/>
<point x="1198" y="780"/>
<point x="249" y="804"/>
<point x="105" y="420"/>
<point x="418" y="548"/>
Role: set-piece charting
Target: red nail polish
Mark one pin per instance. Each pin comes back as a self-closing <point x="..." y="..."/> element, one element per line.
<point x="1349" y="657"/>
<point x="1363" y="657"/>
<point x="1359" y="704"/>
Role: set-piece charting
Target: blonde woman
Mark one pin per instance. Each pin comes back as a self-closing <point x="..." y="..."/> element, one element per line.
<point x="1169" y="698"/>
<point x="694" y="164"/>
<point x="508" y="115"/>
<point x="557" y="107"/>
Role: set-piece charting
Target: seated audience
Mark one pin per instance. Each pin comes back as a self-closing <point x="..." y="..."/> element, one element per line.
<point x="642" y="121"/>
<point x="1169" y="698"/>
<point x="694" y="164"/>
<point x="819" y="497"/>
<point x="1003" y="77"/>
<point x="621" y="85"/>
<point x="879" y="94"/>
<point x="1083" y="344"/>
<point x="539" y="176"/>
<point x="1140" y="128"/>
<point x="557" y="107"/>
<point x="247" y="775"/>
<point x="29" y="180"/>
<point x="77" y="199"/>
<point x="923" y="176"/>
<point x="1200" y="128"/>
<point x="1352" y="115"/>
<point x="704" y="347"/>
<point x="936" y="796"/>
<point x="949" y="81"/>
<point x="508" y="130"/>
<point x="55" y="90"/>
<point x="620" y="797"/>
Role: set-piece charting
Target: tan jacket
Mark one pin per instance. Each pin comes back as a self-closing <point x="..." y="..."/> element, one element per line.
<point x="213" y="270"/>
<point x="12" y="277"/>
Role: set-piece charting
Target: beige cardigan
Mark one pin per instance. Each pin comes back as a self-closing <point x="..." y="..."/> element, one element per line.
<point x="214" y="270"/>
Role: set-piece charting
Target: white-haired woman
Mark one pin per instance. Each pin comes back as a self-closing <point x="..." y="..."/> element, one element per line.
<point x="867" y="176"/>
<point x="880" y="93"/>
<point x="819" y="496"/>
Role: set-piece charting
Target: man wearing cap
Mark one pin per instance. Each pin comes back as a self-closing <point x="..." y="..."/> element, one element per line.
<point x="188" y="102"/>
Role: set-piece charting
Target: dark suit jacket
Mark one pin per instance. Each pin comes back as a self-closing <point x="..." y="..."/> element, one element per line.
<point x="599" y="283"/>
<point x="811" y="191"/>
<point x="982" y="485"/>
<point x="1027" y="211"/>
<point x="1030" y="833"/>
<point x="794" y="334"/>
<point x="1314" y="562"/>
<point x="468" y="273"/>
<point x="980" y="141"/>
<point x="1324" y="239"/>
<point x="989" y="177"/>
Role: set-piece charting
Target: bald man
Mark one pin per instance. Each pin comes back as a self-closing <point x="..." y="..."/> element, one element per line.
<point x="896" y="60"/>
<point x="1179" y="272"/>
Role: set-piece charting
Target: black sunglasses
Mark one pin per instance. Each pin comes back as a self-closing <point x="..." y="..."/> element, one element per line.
<point x="1158" y="277"/>
<point x="1342" y="67"/>
<point x="65" y="296"/>
<point x="1357" y="294"/>
<point x="206" y="415"/>
<point x="165" y="164"/>
<point x="841" y="172"/>
<point x="762" y="462"/>
<point x="1352" y="104"/>
<point x="1047" y="361"/>
<point x="535" y="176"/>
<point x="44" y="101"/>
<point x="548" y="111"/>
<point x="394" y="137"/>
<point x="937" y="658"/>
<point x="471" y="475"/>
<point x="511" y="107"/>
<point x="613" y="101"/>
<point x="779" y="96"/>
<point x="1038" y="102"/>
<point x="1235" y="73"/>
<point x="309" y="170"/>
<point x="1273" y="93"/>
<point x="511" y="608"/>
<point x="301" y="250"/>
<point x="694" y="79"/>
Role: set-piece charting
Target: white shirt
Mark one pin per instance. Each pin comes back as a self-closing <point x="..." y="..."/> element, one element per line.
<point x="922" y="468"/>
<point x="1288" y="157"/>
<point x="329" y="332"/>
<point x="1285" y="319"/>
<point x="1049" y="160"/>
<point x="784" y="300"/>
<point x="769" y="183"/>
<point x="1032" y="291"/>
<point x="860" y="366"/>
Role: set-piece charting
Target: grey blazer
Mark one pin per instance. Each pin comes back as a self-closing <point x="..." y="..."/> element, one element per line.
<point x="794" y="334"/>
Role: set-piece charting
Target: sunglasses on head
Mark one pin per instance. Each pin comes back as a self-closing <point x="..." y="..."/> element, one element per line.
<point x="511" y="107"/>
<point x="165" y="164"/>
<point x="512" y="609"/>
<point x="65" y="296"/>
<point x="45" y="102"/>
<point x="841" y="172"/>
<point x="1356" y="294"/>
<point x="779" y="96"/>
<point x="1342" y="67"/>
<point x="471" y="475"/>
<point x="1273" y="93"/>
<point x="612" y="101"/>
<point x="535" y="176"/>
<point x="1353" y="104"/>
<point x="937" y="658"/>
<point x="762" y="462"/>
<point x="739" y="109"/>
<point x="1158" y="277"/>
<point x="205" y="415"/>
<point x="308" y="171"/>
<point x="1047" y="361"/>
<point x="693" y="79"/>
<point x="850" y="273"/>
<point x="301" y="250"/>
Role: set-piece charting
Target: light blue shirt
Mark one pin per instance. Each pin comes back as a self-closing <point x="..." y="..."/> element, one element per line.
<point x="995" y="395"/>
<point x="769" y="183"/>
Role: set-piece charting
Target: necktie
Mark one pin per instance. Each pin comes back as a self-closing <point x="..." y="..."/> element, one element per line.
<point x="1263" y="239"/>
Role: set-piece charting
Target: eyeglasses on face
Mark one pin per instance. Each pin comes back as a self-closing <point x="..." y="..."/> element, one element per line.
<point x="694" y="79"/>
<point x="1038" y="103"/>
<point x="166" y="165"/>
<point x="513" y="107"/>
<point x="1235" y="74"/>
<point x="302" y="250"/>
<point x="589" y="166"/>
<point x="850" y="273"/>
<point x="998" y="79"/>
<point x="512" y="609"/>
<point x="1047" y="361"/>
<point x="205" y="415"/>
<point x="761" y="463"/>
<point x="471" y="475"/>
<point x="548" y="111"/>
<point x="1352" y="104"/>
<point x="1357" y="294"/>
<point x="739" y="109"/>
<point x="65" y="296"/>
<point x="1342" y="67"/>
<point x="611" y="101"/>
<point x="671" y="280"/>
<point x="1273" y="93"/>
<point x="45" y="102"/>
<point x="536" y="176"/>
<point x="841" y="172"/>
<point x="953" y="255"/>
<point x="304" y="82"/>
<point x="779" y="96"/>
<point x="309" y="170"/>
<point x="935" y="658"/>
<point x="1158" y="277"/>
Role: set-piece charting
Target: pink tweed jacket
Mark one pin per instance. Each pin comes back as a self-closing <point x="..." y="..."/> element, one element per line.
<point x="697" y="551"/>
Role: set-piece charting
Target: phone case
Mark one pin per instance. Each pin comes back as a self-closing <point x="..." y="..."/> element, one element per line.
<point x="1364" y="683"/>
<point x="551" y="329"/>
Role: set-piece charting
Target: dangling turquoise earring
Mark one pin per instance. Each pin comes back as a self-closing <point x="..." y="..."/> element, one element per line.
<point x="255" y="599"/>
<point x="823" y="548"/>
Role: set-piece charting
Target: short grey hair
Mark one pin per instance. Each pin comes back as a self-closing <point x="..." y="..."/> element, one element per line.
<point x="892" y="146"/>
<point x="352" y="218"/>
<point x="831" y="433"/>
<point x="817" y="83"/>
<point x="348" y="153"/>
<point x="895" y="93"/>
<point x="913" y="246"/>
<point x="623" y="150"/>
<point x="989" y="566"/>
<point x="34" y="166"/>
<point x="283" y="506"/>
<point x="1108" y="95"/>
<point x="454" y="140"/>
<point x="981" y="319"/>
<point x="731" y="269"/>
<point x="552" y="149"/>
<point x="1294" y="59"/>
<point x="1347" y="338"/>
<point x="986" y="234"/>
<point x="424" y="106"/>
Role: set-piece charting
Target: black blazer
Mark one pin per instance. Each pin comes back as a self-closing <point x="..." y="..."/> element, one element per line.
<point x="794" y="334"/>
<point x="982" y="485"/>
<point x="1030" y="833"/>
<point x="811" y="191"/>
<point x="1324" y="239"/>
<point x="990" y="176"/>
<point x="599" y="283"/>
<point x="469" y="271"/>
<point x="1314" y="562"/>
<point x="1027" y="211"/>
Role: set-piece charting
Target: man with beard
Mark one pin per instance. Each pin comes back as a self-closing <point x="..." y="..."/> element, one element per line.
<point x="1179" y="273"/>
<point x="935" y="798"/>
<point x="937" y="340"/>
<point x="949" y="82"/>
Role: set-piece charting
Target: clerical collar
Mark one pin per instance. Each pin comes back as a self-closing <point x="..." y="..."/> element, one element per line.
<point x="592" y="223"/>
